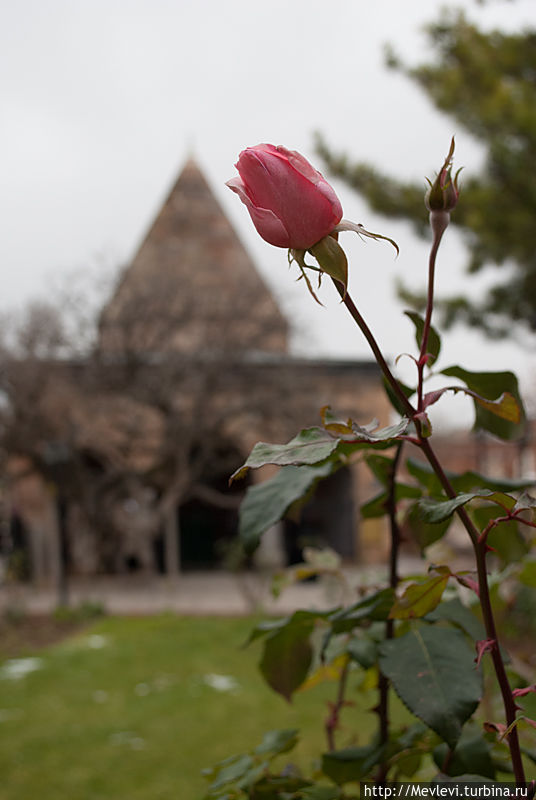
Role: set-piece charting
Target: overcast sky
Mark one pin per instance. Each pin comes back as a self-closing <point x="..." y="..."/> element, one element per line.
<point x="102" y="101"/>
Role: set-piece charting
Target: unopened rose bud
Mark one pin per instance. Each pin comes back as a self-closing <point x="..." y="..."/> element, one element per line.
<point x="290" y="202"/>
<point x="443" y="192"/>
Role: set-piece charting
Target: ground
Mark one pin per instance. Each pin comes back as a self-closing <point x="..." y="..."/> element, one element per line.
<point x="22" y="634"/>
<point x="136" y="707"/>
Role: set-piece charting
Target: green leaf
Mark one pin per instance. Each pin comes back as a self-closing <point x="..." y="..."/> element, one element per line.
<point x="350" y="764"/>
<point x="287" y="656"/>
<point x="375" y="607"/>
<point x="331" y="259"/>
<point x="507" y="542"/>
<point x="409" y="763"/>
<point x="472" y="753"/>
<point x="268" y="502"/>
<point x="238" y="768"/>
<point x="434" y="341"/>
<point x="300" y="617"/>
<point x="462" y="482"/>
<point x="310" y="446"/>
<point x="437" y="511"/>
<point x="505" y="406"/>
<point x="377" y="506"/>
<point x="420" y="598"/>
<point x="279" y="741"/>
<point x="454" y="611"/>
<point x="506" y="539"/>
<point x="353" y="436"/>
<point x="384" y="435"/>
<point x="252" y="776"/>
<point x="494" y="386"/>
<point x="313" y="445"/>
<point x="381" y="467"/>
<point x="415" y="735"/>
<point x="527" y="576"/>
<point x="265" y="628"/>
<point x="525" y="503"/>
<point x="363" y="650"/>
<point x="432" y="670"/>
<point x="423" y="532"/>
<point x="335" y="425"/>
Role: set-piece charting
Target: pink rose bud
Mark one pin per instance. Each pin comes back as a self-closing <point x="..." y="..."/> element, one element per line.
<point x="289" y="202"/>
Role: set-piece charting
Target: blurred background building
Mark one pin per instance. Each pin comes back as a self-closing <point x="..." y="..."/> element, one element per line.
<point x="119" y="461"/>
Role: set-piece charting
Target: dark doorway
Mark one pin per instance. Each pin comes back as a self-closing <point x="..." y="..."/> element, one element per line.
<point x="208" y="520"/>
<point x="327" y="520"/>
<point x="15" y="548"/>
<point x="207" y="532"/>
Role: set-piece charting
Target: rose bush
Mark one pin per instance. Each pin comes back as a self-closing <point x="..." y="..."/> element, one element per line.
<point x="427" y="651"/>
<point x="290" y="202"/>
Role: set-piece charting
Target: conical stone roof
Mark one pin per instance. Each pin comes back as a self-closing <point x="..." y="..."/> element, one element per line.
<point x="192" y="287"/>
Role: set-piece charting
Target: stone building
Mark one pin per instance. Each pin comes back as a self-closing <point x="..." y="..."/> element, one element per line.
<point x="192" y="367"/>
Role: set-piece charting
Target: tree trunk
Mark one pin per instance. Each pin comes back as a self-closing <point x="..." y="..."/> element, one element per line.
<point x="57" y="552"/>
<point x="171" y="543"/>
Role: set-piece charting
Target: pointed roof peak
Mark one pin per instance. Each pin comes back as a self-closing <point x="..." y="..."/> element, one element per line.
<point x="191" y="164"/>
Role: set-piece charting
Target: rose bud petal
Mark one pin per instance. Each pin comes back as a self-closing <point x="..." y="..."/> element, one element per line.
<point x="290" y="202"/>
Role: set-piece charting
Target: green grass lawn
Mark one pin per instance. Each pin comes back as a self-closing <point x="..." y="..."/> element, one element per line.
<point x="124" y="711"/>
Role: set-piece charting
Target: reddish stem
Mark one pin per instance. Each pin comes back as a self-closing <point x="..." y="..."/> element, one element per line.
<point x="487" y="614"/>
<point x="479" y="548"/>
<point x="333" y="720"/>
<point x="383" y="682"/>
<point x="439" y="221"/>
<point x="492" y="524"/>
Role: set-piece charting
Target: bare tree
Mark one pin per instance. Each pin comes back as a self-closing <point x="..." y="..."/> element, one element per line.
<point x="203" y="366"/>
<point x="126" y="432"/>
